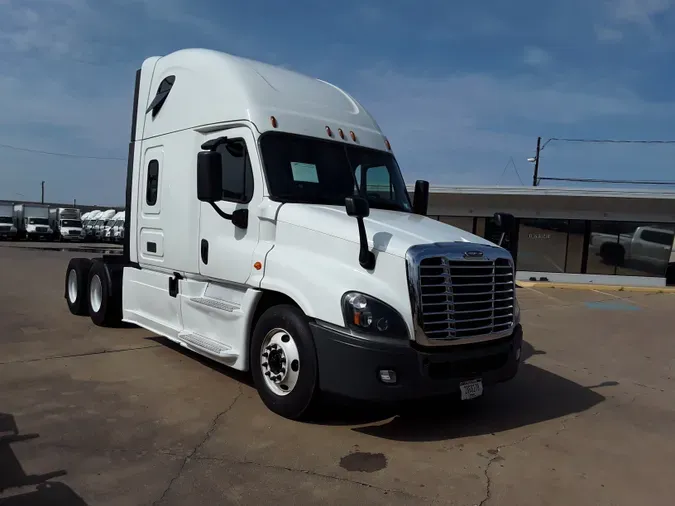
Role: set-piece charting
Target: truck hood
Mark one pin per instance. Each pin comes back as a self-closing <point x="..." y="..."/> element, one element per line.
<point x="388" y="231"/>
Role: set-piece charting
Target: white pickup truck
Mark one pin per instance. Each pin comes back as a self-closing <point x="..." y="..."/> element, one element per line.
<point x="268" y="227"/>
<point x="649" y="248"/>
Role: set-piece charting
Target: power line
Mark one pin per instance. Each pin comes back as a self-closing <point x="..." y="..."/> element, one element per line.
<point x="54" y="153"/>
<point x="513" y="163"/>
<point x="611" y="181"/>
<point x="611" y="141"/>
<point x="517" y="173"/>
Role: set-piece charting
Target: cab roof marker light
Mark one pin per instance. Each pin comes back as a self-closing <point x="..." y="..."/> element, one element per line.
<point x="329" y="131"/>
<point x="273" y="120"/>
<point x="341" y="133"/>
<point x="386" y="143"/>
<point x="352" y="135"/>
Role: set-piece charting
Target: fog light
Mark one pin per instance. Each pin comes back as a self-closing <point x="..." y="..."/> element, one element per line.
<point x="518" y="354"/>
<point x="388" y="376"/>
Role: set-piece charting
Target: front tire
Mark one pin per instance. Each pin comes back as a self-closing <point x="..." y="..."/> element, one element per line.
<point x="76" y="293"/>
<point x="283" y="361"/>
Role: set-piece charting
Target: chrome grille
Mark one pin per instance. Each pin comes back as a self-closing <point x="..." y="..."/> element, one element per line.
<point x="465" y="298"/>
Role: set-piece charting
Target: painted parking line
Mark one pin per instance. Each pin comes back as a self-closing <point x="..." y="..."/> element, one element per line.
<point x="612" y="305"/>
<point x="614" y="296"/>
<point x="551" y="297"/>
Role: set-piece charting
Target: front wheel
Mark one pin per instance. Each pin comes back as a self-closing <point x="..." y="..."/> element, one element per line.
<point x="283" y="361"/>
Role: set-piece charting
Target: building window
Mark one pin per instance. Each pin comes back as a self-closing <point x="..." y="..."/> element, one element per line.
<point x="542" y="245"/>
<point x="237" y="172"/>
<point x="462" y="222"/>
<point x="152" y="185"/>
<point x="603" y="248"/>
<point x="644" y="249"/>
<point x="630" y="249"/>
<point x="576" y="231"/>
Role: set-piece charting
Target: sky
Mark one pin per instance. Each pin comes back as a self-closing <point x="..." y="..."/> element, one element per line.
<point x="461" y="89"/>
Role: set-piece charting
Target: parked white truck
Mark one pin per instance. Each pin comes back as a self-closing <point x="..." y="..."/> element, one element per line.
<point x="108" y="232"/>
<point x="66" y="223"/>
<point x="269" y="228"/>
<point x="7" y="228"/>
<point x="32" y="221"/>
<point x="117" y="230"/>
<point x="648" y="248"/>
<point x="89" y="224"/>
<point x="101" y="222"/>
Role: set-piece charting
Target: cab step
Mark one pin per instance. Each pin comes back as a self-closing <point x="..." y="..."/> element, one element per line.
<point x="206" y="345"/>
<point x="216" y="303"/>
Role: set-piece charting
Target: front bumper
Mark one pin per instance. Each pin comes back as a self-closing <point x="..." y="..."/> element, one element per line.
<point x="349" y="366"/>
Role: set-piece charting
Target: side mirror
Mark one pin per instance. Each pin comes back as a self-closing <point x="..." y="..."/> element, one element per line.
<point x="209" y="176"/>
<point x="505" y="222"/>
<point x="421" y="197"/>
<point x="357" y="207"/>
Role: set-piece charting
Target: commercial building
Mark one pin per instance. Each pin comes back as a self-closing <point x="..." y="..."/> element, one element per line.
<point x="566" y="235"/>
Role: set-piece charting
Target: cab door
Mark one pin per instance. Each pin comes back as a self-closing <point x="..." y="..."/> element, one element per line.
<point x="226" y="250"/>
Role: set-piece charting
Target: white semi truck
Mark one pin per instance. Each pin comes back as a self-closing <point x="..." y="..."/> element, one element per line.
<point x="101" y="222"/>
<point x="66" y="223"/>
<point x="32" y="221"/>
<point x="117" y="230"/>
<point x="106" y="235"/>
<point x="7" y="228"/>
<point x="90" y="222"/>
<point x="269" y="228"/>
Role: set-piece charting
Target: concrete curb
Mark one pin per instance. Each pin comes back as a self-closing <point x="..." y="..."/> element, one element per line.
<point x="591" y="286"/>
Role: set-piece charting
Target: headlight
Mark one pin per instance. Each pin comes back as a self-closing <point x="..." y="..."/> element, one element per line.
<point x="367" y="315"/>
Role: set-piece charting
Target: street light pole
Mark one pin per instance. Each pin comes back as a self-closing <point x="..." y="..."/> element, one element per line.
<point x="535" y="177"/>
<point x="43" y="192"/>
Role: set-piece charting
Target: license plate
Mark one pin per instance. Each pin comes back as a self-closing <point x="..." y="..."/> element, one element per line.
<point x="471" y="389"/>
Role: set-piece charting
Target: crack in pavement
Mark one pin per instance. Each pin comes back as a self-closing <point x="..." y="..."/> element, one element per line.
<point x="77" y="355"/>
<point x="563" y="427"/>
<point x="209" y="433"/>
<point x="232" y="460"/>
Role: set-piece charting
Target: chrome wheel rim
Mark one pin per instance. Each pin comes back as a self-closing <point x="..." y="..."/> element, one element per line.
<point x="280" y="362"/>
<point x="96" y="293"/>
<point x="72" y="286"/>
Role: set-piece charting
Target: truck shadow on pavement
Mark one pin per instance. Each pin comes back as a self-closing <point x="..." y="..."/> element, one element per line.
<point x="535" y="395"/>
<point x="13" y="476"/>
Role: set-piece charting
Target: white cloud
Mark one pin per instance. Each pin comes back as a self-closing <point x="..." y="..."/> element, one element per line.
<point x="536" y="56"/>
<point x="605" y="34"/>
<point x="625" y="15"/>
<point x="641" y="12"/>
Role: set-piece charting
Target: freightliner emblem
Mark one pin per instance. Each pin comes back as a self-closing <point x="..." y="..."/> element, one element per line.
<point x="473" y="254"/>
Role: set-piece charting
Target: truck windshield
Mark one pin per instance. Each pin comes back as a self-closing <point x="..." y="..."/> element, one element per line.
<point x="316" y="171"/>
<point x="38" y="221"/>
<point x="71" y="223"/>
<point x="5" y="219"/>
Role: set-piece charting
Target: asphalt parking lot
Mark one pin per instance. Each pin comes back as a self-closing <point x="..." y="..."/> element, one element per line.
<point x="92" y="416"/>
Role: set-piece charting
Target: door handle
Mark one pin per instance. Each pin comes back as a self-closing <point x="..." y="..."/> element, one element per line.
<point x="205" y="251"/>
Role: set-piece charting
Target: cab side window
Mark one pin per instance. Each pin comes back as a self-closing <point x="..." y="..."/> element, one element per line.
<point x="237" y="171"/>
<point x="375" y="181"/>
<point x="152" y="183"/>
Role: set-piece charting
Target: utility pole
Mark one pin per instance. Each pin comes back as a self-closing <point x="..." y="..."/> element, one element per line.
<point x="43" y="192"/>
<point x="74" y="202"/>
<point x="535" y="177"/>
